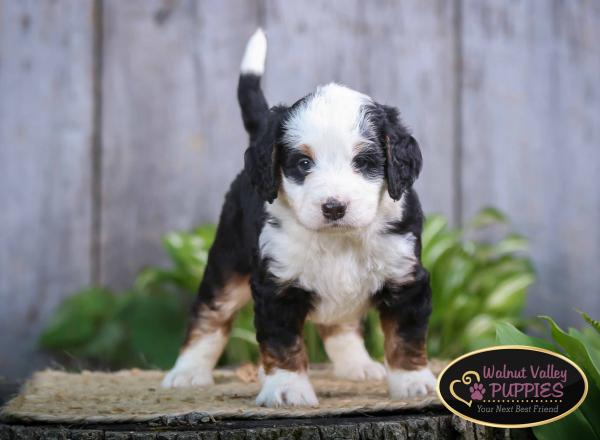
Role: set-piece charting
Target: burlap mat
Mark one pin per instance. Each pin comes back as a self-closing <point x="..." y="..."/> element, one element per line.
<point x="136" y="396"/>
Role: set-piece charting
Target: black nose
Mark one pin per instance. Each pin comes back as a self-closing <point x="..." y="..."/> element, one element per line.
<point x="333" y="209"/>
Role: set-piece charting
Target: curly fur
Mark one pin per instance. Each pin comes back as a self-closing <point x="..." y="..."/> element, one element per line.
<point x="337" y="148"/>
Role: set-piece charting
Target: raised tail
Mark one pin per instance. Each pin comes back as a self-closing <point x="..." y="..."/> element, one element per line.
<point x="250" y="95"/>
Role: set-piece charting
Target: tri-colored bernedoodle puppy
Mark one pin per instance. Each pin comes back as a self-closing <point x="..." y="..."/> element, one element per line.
<point x="322" y="223"/>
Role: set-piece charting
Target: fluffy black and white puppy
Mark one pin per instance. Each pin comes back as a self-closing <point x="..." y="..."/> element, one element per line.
<point x="321" y="224"/>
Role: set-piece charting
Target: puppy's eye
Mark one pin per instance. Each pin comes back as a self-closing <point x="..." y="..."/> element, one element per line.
<point x="363" y="163"/>
<point x="305" y="164"/>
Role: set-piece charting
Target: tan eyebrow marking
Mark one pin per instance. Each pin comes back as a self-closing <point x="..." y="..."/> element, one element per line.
<point x="359" y="147"/>
<point x="307" y="151"/>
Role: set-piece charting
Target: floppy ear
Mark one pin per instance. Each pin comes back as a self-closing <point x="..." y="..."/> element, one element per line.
<point x="403" y="155"/>
<point x="261" y="159"/>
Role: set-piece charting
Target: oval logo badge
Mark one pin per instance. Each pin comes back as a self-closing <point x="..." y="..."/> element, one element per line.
<point x="512" y="386"/>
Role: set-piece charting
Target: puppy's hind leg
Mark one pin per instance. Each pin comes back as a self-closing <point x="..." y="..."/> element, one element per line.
<point x="220" y="297"/>
<point x="345" y="347"/>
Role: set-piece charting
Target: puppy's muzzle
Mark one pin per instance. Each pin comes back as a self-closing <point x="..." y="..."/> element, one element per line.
<point x="333" y="209"/>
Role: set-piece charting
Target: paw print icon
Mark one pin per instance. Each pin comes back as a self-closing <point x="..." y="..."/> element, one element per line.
<point x="477" y="391"/>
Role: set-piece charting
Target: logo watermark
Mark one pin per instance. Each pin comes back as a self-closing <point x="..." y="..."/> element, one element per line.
<point x="512" y="386"/>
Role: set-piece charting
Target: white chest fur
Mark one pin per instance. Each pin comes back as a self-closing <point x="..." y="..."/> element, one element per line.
<point x="344" y="270"/>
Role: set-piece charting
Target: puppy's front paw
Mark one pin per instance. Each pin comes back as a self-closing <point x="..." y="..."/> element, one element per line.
<point x="286" y="388"/>
<point x="403" y="383"/>
<point x="367" y="369"/>
<point x="187" y="377"/>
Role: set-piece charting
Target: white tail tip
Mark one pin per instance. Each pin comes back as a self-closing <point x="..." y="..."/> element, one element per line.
<point x="253" y="61"/>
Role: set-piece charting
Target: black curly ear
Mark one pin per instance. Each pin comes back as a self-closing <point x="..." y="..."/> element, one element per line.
<point x="403" y="155"/>
<point x="261" y="159"/>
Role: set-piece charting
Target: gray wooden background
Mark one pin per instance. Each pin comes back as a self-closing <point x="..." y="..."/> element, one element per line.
<point x="119" y="122"/>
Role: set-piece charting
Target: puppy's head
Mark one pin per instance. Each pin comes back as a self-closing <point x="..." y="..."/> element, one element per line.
<point x="332" y="156"/>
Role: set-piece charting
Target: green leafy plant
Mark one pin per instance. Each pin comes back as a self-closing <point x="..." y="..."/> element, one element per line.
<point x="474" y="283"/>
<point x="583" y="348"/>
<point x="143" y="326"/>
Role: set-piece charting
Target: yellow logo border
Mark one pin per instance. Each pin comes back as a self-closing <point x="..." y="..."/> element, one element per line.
<point x="508" y="425"/>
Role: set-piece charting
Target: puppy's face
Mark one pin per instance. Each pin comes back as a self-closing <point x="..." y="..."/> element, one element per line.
<point x="331" y="157"/>
<point x="332" y="165"/>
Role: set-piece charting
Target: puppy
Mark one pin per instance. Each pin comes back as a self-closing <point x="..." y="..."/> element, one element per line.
<point x="321" y="224"/>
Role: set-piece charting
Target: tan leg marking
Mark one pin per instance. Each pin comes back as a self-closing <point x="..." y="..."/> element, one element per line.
<point x="407" y="371"/>
<point x="401" y="354"/>
<point x="207" y="336"/>
<point x="284" y="379"/>
<point x="234" y="295"/>
<point x="294" y="359"/>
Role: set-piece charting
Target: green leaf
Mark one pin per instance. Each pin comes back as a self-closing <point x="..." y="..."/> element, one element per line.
<point x="589" y="336"/>
<point x="590" y="407"/>
<point x="510" y="293"/>
<point x="488" y="216"/>
<point x="574" y="426"/>
<point x="480" y="325"/>
<point x="153" y="278"/>
<point x="106" y="343"/>
<point x="314" y="345"/>
<point x="473" y="283"/>
<point x="373" y="335"/>
<point x="513" y="243"/>
<point x="242" y="346"/>
<point x="595" y="324"/>
<point x="434" y="225"/>
<point x="490" y="273"/>
<point x="244" y="335"/>
<point x="584" y="421"/>
<point x="508" y="334"/>
<point x="436" y="249"/>
<point x="156" y="329"/>
<point x="207" y="234"/>
<point x="77" y="319"/>
<point x="586" y="417"/>
<point x="576" y="351"/>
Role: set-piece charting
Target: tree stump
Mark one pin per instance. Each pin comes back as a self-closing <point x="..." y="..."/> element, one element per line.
<point x="429" y="425"/>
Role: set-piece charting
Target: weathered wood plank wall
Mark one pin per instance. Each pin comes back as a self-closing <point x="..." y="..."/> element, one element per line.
<point x="503" y="97"/>
<point x="46" y="102"/>
<point x="531" y="137"/>
<point x="171" y="136"/>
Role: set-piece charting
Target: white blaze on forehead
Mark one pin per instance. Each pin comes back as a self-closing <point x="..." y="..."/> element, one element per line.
<point x="332" y="117"/>
<point x="331" y="122"/>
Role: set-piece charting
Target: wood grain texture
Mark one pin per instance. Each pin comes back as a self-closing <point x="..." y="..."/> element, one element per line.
<point x="408" y="61"/>
<point x="45" y="167"/>
<point x="524" y="99"/>
<point x="531" y="102"/>
<point x="172" y="136"/>
<point x="312" y="45"/>
<point x="434" y="425"/>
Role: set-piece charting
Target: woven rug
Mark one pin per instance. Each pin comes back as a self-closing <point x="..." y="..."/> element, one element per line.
<point x="136" y="396"/>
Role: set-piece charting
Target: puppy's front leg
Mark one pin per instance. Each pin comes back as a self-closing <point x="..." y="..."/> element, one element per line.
<point x="279" y="318"/>
<point x="345" y="347"/>
<point x="404" y="311"/>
